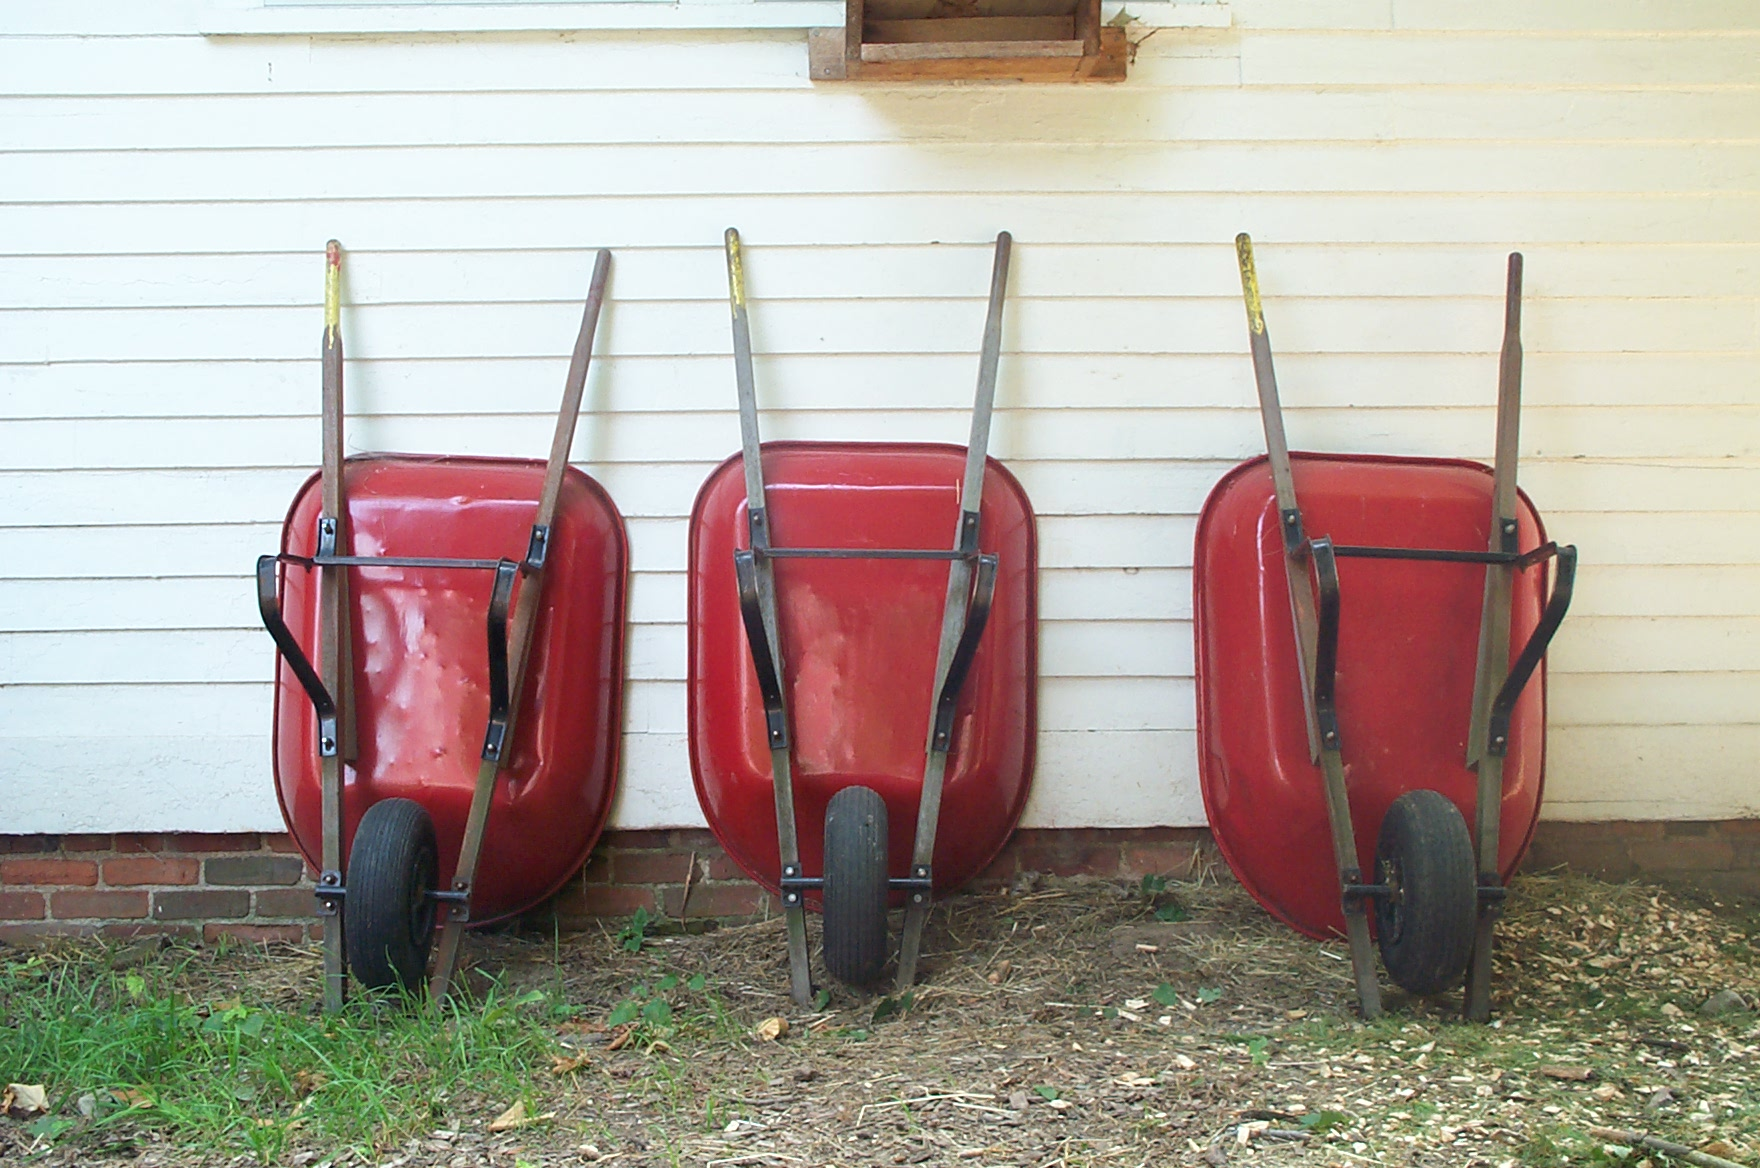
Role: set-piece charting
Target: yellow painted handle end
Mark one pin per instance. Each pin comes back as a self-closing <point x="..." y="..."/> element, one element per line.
<point x="332" y="285"/>
<point x="1243" y="249"/>
<point x="736" y="270"/>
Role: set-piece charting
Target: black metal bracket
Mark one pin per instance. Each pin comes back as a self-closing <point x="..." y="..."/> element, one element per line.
<point x="500" y="598"/>
<point x="745" y="570"/>
<point x="1491" y="896"/>
<point x="977" y="616"/>
<point x="537" y="549"/>
<point x="1321" y="553"/>
<point x="330" y="893"/>
<point x="1353" y="893"/>
<point x="793" y="884"/>
<point x="1504" y="704"/>
<point x="269" y="606"/>
<point x="1294" y="542"/>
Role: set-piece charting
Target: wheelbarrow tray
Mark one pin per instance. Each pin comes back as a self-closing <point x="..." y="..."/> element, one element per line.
<point x="421" y="676"/>
<point x="1407" y="650"/>
<point x="859" y="641"/>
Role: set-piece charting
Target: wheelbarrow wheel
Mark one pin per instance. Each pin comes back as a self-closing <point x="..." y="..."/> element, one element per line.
<point x="855" y="885"/>
<point x="1425" y="927"/>
<point x="389" y="917"/>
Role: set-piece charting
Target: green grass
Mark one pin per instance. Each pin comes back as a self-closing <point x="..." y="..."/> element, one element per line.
<point x="234" y="1076"/>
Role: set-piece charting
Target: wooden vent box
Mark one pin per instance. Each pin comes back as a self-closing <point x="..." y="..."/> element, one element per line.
<point x="938" y="40"/>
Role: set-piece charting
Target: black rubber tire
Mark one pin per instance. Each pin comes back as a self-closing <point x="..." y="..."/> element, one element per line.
<point x="388" y="918"/>
<point x="1425" y="930"/>
<point x="855" y="893"/>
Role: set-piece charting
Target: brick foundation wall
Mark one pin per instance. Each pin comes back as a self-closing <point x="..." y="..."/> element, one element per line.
<point x="255" y="887"/>
<point x="246" y="886"/>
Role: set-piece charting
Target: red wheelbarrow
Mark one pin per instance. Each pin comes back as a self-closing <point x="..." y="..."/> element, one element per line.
<point x="466" y="618"/>
<point x="1358" y="659"/>
<point x="846" y="670"/>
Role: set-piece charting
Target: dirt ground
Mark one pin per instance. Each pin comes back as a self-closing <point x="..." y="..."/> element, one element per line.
<point x="1068" y="1022"/>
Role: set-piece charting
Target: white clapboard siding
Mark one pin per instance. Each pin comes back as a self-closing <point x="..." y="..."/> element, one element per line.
<point x="1047" y="268"/>
<point x="1494" y="220"/>
<point x="288" y="388"/>
<point x="490" y="171"/>
<point x="800" y="114"/>
<point x="922" y="326"/>
<point x="166" y="197"/>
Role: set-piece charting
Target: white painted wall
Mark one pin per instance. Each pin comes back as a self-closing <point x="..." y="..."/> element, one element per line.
<point x="168" y="194"/>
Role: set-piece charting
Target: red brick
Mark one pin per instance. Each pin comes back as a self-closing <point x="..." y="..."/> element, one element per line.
<point x="35" y="931"/>
<point x="24" y="845"/>
<point x="22" y="906"/>
<point x="1637" y="829"/>
<point x="147" y="929"/>
<point x="201" y="904"/>
<point x="733" y="899"/>
<point x="1173" y="858"/>
<point x="101" y="905"/>
<point x="281" y="842"/>
<point x="597" y="869"/>
<point x="256" y="934"/>
<point x="247" y="841"/>
<point x="255" y="870"/>
<point x="277" y="903"/>
<point x="1608" y="859"/>
<point x="83" y="872"/>
<point x="137" y="842"/>
<point x="1748" y="827"/>
<point x="651" y="867"/>
<point x="1661" y="857"/>
<point x="152" y="870"/>
<point x="637" y="839"/>
<point x="1000" y="872"/>
<point x="1688" y="827"/>
<point x="584" y="902"/>
<point x="87" y="843"/>
<point x="722" y="867"/>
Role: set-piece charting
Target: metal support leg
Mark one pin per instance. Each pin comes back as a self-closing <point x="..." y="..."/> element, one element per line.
<point x="1316" y="636"/>
<point x="1493" y="659"/>
<point x="498" y="741"/>
<point x="334" y="636"/>
<point x="1338" y="809"/>
<point x="953" y="613"/>
<point x="766" y="640"/>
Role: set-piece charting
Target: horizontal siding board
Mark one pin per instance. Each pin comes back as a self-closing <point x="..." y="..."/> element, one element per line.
<point x="1047" y="269"/>
<point x="107" y="710"/>
<point x="198" y="780"/>
<point x="1078" y="435"/>
<point x="708" y="61"/>
<point x="1496" y="220"/>
<point x="1428" y="58"/>
<point x="1654" y="699"/>
<point x="288" y="388"/>
<point x="1652" y="772"/>
<point x="495" y="171"/>
<point x="1429" y="325"/>
<point x="822" y="115"/>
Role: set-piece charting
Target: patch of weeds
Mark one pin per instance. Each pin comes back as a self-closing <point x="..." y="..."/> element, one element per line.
<point x="892" y="1007"/>
<point x="1159" y="902"/>
<point x="668" y="1007"/>
<point x="635" y="930"/>
<point x="1320" y="1122"/>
